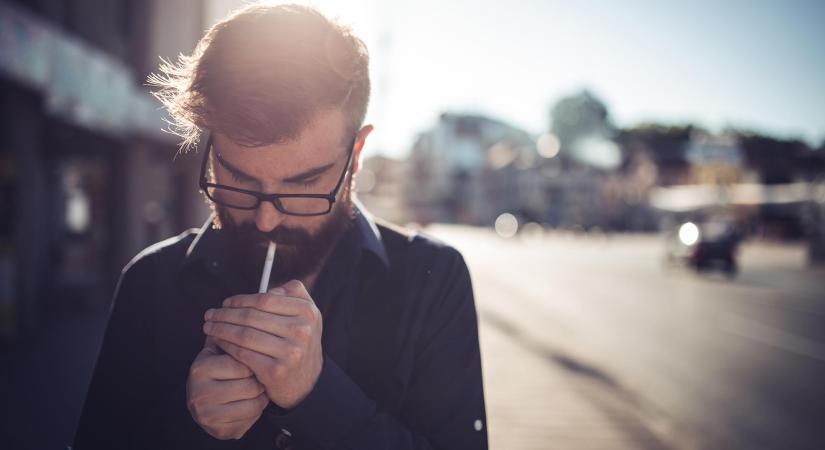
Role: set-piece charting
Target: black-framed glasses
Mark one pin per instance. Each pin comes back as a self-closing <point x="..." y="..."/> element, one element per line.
<point x="292" y="204"/>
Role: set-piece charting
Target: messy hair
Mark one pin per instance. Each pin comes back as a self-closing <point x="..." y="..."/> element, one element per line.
<point x="262" y="74"/>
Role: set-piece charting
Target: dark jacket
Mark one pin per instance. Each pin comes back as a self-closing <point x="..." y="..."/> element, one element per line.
<point x="401" y="366"/>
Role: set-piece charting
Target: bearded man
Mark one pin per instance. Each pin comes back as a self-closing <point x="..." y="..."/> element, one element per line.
<point x="366" y="335"/>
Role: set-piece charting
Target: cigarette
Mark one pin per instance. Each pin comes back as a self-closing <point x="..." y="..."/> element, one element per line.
<point x="270" y="256"/>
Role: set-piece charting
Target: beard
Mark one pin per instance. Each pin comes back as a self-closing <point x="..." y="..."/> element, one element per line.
<point x="299" y="253"/>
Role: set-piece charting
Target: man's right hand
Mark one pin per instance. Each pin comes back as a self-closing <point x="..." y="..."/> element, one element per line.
<point x="223" y="395"/>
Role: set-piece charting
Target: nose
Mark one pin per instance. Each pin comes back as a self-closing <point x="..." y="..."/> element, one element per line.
<point x="267" y="217"/>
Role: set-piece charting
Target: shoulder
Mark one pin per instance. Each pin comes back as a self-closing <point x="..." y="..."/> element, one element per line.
<point x="405" y="243"/>
<point x="423" y="261"/>
<point x="165" y="254"/>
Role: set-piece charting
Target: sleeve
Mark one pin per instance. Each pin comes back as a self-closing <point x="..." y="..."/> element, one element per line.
<point x="444" y="406"/>
<point x="116" y="404"/>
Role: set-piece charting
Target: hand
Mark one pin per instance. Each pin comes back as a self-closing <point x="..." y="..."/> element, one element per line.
<point x="222" y="394"/>
<point x="277" y="335"/>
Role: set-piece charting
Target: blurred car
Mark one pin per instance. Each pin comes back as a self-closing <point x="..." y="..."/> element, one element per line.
<point x="705" y="246"/>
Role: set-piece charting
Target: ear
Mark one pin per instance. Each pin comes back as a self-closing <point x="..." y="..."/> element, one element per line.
<point x="360" y="139"/>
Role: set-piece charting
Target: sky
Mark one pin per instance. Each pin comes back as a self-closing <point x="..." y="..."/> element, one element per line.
<point x="754" y="64"/>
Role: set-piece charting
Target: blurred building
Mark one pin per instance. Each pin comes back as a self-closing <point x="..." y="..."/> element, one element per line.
<point x="88" y="177"/>
<point x="717" y="159"/>
<point x="467" y="170"/>
<point x="470" y="169"/>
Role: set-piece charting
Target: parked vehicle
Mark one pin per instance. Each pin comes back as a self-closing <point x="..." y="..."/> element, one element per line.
<point x="705" y="246"/>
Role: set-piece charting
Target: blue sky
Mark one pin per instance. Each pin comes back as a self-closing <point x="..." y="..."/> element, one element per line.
<point x="756" y="64"/>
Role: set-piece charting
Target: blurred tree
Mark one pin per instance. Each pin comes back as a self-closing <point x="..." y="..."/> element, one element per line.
<point x="776" y="160"/>
<point x="582" y="124"/>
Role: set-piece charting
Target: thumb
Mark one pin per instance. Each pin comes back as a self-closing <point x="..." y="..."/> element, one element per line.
<point x="210" y="347"/>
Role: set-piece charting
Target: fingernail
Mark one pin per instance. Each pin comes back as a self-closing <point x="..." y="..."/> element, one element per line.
<point x="209" y="314"/>
<point x="277" y="291"/>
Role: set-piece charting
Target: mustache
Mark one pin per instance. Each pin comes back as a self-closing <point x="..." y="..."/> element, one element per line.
<point x="250" y="234"/>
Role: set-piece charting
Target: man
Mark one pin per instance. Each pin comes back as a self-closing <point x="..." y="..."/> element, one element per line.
<point x="367" y="337"/>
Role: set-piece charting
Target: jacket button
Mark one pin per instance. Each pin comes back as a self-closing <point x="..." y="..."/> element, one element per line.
<point x="283" y="440"/>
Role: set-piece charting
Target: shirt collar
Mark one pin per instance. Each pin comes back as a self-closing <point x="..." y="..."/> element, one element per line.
<point x="369" y="234"/>
<point x="367" y="237"/>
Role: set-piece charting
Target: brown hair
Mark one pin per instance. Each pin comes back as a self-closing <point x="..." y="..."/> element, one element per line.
<point x="261" y="74"/>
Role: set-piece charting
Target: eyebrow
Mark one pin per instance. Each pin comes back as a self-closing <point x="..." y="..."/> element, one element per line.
<point x="305" y="175"/>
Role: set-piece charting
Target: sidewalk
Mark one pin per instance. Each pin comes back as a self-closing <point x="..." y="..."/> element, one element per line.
<point x="43" y="381"/>
<point x="539" y="400"/>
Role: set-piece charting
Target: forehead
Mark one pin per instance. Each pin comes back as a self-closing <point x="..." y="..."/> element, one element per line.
<point x="323" y="141"/>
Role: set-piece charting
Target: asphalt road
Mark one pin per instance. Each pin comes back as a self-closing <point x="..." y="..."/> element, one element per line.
<point x="695" y="361"/>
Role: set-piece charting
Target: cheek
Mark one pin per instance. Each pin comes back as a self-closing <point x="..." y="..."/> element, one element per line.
<point x="309" y="224"/>
<point x="239" y="216"/>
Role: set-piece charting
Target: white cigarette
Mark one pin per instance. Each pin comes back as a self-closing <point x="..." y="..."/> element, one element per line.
<point x="270" y="256"/>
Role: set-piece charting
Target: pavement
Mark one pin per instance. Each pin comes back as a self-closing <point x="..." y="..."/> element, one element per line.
<point x="44" y="379"/>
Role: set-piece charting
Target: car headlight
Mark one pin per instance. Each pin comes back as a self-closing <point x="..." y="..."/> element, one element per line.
<point x="689" y="233"/>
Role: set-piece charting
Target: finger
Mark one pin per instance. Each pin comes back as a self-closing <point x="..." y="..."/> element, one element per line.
<point x="274" y="324"/>
<point x="224" y="367"/>
<point x="246" y="337"/>
<point x="294" y="288"/>
<point x="209" y="347"/>
<point x="283" y="305"/>
<point x="227" y="391"/>
<point x="257" y="362"/>
<point x="242" y="409"/>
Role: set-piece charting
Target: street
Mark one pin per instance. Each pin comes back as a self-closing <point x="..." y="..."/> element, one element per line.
<point x="592" y="342"/>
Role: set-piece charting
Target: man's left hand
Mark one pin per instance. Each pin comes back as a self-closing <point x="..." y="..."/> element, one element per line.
<point x="277" y="335"/>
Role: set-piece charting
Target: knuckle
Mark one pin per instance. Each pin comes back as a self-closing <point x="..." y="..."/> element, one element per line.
<point x="196" y="370"/>
<point x="229" y="300"/>
<point x="194" y="400"/>
<point x="264" y="304"/>
<point x="193" y="409"/>
<point x="264" y="301"/>
<point x="207" y="420"/>
<point x="309" y="311"/>
<point x="200" y="370"/>
<point x="314" y="313"/>
<point x="300" y="330"/>
<point x="198" y="398"/>
<point x="246" y="315"/>
<point x="278" y="371"/>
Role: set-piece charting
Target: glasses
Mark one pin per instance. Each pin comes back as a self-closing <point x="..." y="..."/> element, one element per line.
<point x="291" y="204"/>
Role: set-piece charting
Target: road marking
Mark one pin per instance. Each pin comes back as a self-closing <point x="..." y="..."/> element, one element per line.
<point x="774" y="337"/>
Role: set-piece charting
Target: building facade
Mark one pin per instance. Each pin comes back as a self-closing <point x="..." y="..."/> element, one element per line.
<point x="88" y="176"/>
